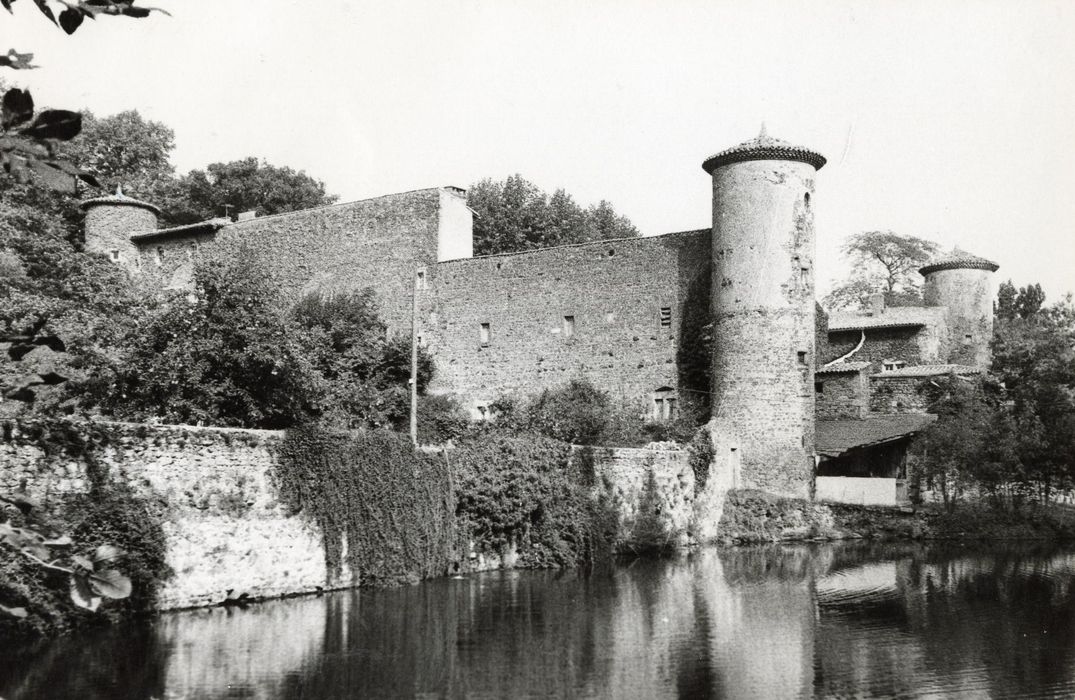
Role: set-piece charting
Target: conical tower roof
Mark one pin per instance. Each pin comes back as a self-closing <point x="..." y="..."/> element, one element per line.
<point x="119" y="199"/>
<point x="959" y="260"/>
<point x="763" y="147"/>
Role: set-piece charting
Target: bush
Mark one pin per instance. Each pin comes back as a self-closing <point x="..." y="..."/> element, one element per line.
<point x="440" y="419"/>
<point x="526" y="490"/>
<point x="577" y="413"/>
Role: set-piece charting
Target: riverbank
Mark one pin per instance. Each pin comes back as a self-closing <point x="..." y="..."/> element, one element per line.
<point x="754" y="516"/>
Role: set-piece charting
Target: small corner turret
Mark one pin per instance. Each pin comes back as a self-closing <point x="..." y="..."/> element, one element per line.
<point x="962" y="283"/>
<point x="110" y="222"/>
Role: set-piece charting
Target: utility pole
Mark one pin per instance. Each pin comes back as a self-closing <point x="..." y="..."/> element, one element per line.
<point x="414" y="359"/>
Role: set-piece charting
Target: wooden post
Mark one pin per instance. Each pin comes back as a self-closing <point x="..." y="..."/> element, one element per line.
<point x="414" y="360"/>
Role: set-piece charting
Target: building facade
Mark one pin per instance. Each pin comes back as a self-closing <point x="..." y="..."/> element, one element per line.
<point x="723" y="317"/>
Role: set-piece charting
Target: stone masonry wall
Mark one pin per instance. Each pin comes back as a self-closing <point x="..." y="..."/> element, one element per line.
<point x="843" y="395"/>
<point x="613" y="290"/>
<point x="226" y="528"/>
<point x="224" y="525"/>
<point x="898" y="395"/>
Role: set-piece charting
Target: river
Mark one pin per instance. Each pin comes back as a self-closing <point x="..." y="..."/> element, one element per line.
<point x="833" y="620"/>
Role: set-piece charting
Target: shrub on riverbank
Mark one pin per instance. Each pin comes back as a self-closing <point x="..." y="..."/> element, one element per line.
<point x="525" y="491"/>
<point x="754" y="516"/>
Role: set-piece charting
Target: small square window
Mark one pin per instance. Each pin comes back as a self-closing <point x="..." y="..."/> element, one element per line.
<point x="819" y="387"/>
<point x="802" y="357"/>
<point x="483" y="335"/>
<point x="569" y="326"/>
<point x="666" y="317"/>
<point x="115" y="255"/>
<point x="889" y="365"/>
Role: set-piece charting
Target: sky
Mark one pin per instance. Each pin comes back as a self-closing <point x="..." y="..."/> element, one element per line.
<point x="953" y="121"/>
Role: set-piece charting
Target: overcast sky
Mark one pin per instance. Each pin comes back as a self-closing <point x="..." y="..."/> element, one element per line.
<point x="948" y="120"/>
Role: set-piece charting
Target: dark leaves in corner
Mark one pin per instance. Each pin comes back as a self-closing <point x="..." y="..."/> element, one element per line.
<point x="17" y="61"/>
<point x="43" y="5"/>
<point x="18" y="107"/>
<point x="59" y="124"/>
<point x="71" y="19"/>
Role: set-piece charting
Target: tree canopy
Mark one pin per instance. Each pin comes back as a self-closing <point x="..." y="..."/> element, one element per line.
<point x="885" y="262"/>
<point x="515" y="214"/>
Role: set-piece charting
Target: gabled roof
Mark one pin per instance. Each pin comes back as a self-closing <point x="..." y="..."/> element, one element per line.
<point x="892" y="317"/>
<point x="841" y="367"/>
<point x="959" y="260"/>
<point x="928" y="371"/>
<point x="834" y="437"/>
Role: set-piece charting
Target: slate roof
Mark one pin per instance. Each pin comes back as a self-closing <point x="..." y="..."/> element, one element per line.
<point x="763" y="147"/>
<point x="841" y="367"/>
<point x="210" y="225"/>
<point x="834" y="437"/>
<point x="959" y="260"/>
<point x="893" y="317"/>
<point x="928" y="371"/>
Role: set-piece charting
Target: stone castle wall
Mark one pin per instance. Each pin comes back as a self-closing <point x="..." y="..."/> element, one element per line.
<point x="226" y="528"/>
<point x="592" y="310"/>
<point x="898" y="395"/>
<point x="913" y="345"/>
<point x="841" y="396"/>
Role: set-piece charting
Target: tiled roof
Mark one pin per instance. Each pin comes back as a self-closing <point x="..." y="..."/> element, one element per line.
<point x="834" y="437"/>
<point x="842" y="367"/>
<point x="892" y="317"/>
<point x="210" y="225"/>
<point x="959" y="260"/>
<point x="928" y="371"/>
<point x="763" y="147"/>
<point x="120" y="199"/>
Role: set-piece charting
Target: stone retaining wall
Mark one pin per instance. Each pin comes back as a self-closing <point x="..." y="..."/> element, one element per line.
<point x="227" y="530"/>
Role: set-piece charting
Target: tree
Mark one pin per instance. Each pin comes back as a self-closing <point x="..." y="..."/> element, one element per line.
<point x="366" y="374"/>
<point x="1018" y="303"/>
<point x="28" y="142"/>
<point x="885" y="262"/>
<point x="515" y="215"/>
<point x="1034" y="356"/>
<point x="227" y="356"/>
<point x="125" y="150"/>
<point x="242" y="185"/>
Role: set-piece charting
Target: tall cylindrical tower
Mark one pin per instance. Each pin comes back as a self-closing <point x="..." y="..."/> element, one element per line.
<point x="111" y="220"/>
<point x="763" y="311"/>
<point x="962" y="283"/>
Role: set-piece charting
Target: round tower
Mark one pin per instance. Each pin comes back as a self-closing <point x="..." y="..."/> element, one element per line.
<point x="763" y="311"/>
<point x="111" y="220"/>
<point x="962" y="283"/>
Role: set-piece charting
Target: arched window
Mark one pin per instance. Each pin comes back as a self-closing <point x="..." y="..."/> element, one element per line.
<point x="664" y="404"/>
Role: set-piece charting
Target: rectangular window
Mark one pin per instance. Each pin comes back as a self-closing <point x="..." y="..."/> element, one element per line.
<point x="420" y="282"/>
<point x="819" y="387"/>
<point x="670" y="408"/>
<point x="802" y="357"/>
<point x="658" y="408"/>
<point x="160" y="256"/>
<point x="666" y="317"/>
<point x="569" y="326"/>
<point x="889" y="365"/>
<point x="484" y="335"/>
<point x="115" y="255"/>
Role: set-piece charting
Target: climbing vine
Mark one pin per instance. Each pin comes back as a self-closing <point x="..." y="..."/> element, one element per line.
<point x="390" y="503"/>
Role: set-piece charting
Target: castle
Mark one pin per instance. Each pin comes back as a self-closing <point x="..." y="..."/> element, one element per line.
<point x="722" y="317"/>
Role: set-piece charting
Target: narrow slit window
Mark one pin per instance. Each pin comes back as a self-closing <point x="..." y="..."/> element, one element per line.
<point x="115" y="255"/>
<point x="569" y="326"/>
<point x="160" y="256"/>
<point x="420" y="281"/>
<point x="666" y="317"/>
<point x="819" y="387"/>
<point x="483" y="335"/>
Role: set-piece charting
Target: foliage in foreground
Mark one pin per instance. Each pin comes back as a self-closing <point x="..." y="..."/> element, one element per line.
<point x="56" y="568"/>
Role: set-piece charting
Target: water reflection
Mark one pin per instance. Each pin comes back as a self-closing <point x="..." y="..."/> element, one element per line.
<point x="824" y="621"/>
